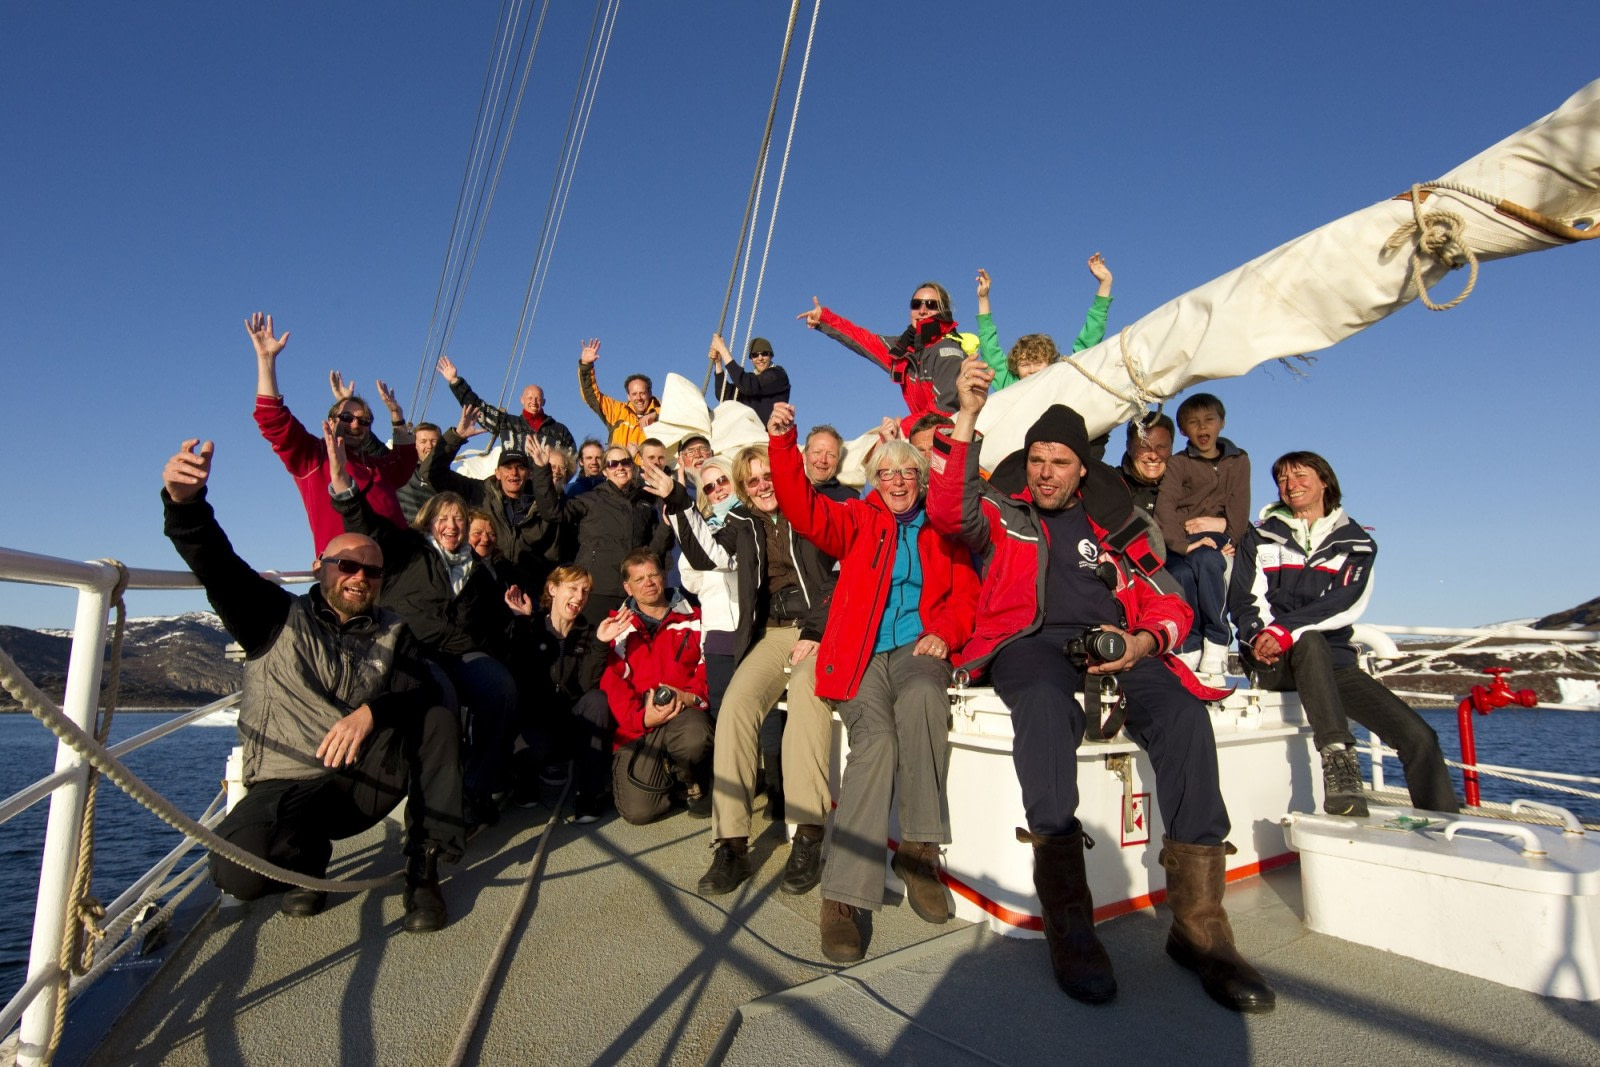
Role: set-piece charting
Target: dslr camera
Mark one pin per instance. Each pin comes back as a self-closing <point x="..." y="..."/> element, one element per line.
<point x="1094" y="647"/>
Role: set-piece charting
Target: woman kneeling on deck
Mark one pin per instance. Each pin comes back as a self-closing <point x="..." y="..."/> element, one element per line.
<point x="903" y="604"/>
<point x="1302" y="579"/>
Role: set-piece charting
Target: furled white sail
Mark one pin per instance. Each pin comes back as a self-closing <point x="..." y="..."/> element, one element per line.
<point x="1322" y="287"/>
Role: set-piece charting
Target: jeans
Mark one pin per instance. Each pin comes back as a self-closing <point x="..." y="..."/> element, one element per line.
<point x="1333" y="695"/>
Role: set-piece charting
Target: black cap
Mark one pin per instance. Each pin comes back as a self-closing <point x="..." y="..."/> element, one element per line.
<point x="1063" y="426"/>
<point x="512" y="455"/>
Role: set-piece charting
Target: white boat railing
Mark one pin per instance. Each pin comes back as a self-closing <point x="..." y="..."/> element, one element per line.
<point x="35" y="1004"/>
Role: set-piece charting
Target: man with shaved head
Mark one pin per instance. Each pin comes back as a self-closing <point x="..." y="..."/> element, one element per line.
<point x="340" y="719"/>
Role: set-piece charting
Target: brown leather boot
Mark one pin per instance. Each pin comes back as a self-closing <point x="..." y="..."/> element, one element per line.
<point x="1083" y="970"/>
<point x="1201" y="937"/>
<point x="917" y="865"/>
<point x="841" y="936"/>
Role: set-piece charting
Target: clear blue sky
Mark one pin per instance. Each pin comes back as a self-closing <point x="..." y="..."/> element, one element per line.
<point x="169" y="168"/>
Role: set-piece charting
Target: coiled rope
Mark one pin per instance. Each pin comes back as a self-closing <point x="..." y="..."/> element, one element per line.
<point x="1436" y="235"/>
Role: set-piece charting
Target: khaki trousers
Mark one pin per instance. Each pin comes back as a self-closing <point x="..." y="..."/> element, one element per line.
<point x="757" y="684"/>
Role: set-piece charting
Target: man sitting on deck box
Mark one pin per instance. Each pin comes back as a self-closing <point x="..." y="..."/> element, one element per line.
<point x="340" y="718"/>
<point x="1052" y="585"/>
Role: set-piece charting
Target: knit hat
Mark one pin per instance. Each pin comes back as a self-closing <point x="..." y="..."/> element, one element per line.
<point x="1063" y="426"/>
<point x="760" y="344"/>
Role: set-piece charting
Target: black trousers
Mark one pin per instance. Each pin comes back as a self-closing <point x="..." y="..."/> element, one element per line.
<point x="1332" y="696"/>
<point x="675" y="753"/>
<point x="293" y="822"/>
<point x="1040" y="686"/>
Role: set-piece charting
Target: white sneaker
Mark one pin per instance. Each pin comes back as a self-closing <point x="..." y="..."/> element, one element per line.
<point x="1191" y="660"/>
<point x="1213" y="659"/>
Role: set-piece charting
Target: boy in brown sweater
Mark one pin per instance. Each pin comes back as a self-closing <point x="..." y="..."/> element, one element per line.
<point x="1203" y="510"/>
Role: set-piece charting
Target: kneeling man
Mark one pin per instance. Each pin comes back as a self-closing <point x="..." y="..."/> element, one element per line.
<point x="1050" y="577"/>
<point x="340" y="719"/>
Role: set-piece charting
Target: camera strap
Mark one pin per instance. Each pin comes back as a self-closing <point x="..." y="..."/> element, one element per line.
<point x="1105" y="719"/>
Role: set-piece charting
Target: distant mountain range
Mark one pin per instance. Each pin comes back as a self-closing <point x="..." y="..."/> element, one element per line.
<point x="178" y="662"/>
<point x="167" y="662"/>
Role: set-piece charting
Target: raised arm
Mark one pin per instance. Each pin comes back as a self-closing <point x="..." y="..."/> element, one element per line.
<point x="1094" y="323"/>
<point x="436" y="468"/>
<point x="955" y="484"/>
<point x="989" y="337"/>
<point x="490" y="417"/>
<point x="251" y="608"/>
<point x="267" y="345"/>
<point x="823" y="522"/>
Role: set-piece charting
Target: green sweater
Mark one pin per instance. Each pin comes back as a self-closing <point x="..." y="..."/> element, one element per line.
<point x="1094" y="328"/>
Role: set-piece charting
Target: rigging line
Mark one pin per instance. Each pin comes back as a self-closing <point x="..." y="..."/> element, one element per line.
<point x="491" y="79"/>
<point x="783" y="172"/>
<point x="585" y="72"/>
<point x="583" y="129"/>
<point x="761" y="156"/>
<point x="482" y="222"/>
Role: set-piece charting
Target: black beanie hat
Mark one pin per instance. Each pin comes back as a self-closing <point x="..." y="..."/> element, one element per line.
<point x="1061" y="425"/>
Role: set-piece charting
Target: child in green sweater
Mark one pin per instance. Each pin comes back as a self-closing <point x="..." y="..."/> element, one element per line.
<point x="1036" y="351"/>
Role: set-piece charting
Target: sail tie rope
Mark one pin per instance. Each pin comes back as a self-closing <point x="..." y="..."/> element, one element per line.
<point x="1141" y="396"/>
<point x="1438" y="236"/>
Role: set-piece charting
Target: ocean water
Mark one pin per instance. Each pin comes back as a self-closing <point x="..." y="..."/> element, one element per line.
<point x="188" y="767"/>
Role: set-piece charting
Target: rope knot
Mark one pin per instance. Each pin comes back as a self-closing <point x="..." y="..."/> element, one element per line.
<point x="1438" y="235"/>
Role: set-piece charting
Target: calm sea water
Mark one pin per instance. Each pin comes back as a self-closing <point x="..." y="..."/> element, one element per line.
<point x="188" y="767"/>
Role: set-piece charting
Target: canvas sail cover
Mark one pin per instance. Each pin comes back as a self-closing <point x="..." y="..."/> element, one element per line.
<point x="1320" y="288"/>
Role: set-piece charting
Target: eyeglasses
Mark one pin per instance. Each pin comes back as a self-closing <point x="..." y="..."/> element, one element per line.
<point x="374" y="571"/>
<point x="349" y="419"/>
<point x="716" y="483"/>
<point x="929" y="305"/>
<point x="761" y="479"/>
<point x="909" y="474"/>
<point x="694" y="450"/>
<point x="761" y="355"/>
<point x="615" y="464"/>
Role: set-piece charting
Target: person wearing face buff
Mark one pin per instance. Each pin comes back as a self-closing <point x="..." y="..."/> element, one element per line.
<point x="454" y="603"/>
<point x="1050" y="576"/>
<point x="340" y="718"/>
<point x="924" y="360"/>
<point x="902" y="609"/>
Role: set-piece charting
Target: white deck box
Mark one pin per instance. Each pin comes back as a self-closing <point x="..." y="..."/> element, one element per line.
<point x="1508" y="902"/>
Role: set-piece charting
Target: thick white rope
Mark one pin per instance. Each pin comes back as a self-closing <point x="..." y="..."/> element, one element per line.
<point x="42" y="708"/>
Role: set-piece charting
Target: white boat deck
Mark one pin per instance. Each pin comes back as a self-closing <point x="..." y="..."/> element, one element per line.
<point x="617" y="960"/>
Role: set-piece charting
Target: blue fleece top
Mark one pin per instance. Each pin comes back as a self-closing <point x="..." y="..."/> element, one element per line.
<point x="902" y="618"/>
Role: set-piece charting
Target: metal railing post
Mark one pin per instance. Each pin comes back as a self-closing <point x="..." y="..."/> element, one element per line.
<point x="60" y="858"/>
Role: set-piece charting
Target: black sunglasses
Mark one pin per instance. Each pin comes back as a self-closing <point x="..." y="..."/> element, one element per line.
<point x="373" y="571"/>
<point x="761" y="355"/>
<point x="930" y="305"/>
<point x="347" y="418"/>
<point x="613" y="464"/>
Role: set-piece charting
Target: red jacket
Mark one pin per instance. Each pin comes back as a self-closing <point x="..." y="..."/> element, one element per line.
<point x="306" y="458"/>
<point x="641" y="660"/>
<point x="1007" y="534"/>
<point x="926" y="371"/>
<point x="855" y="532"/>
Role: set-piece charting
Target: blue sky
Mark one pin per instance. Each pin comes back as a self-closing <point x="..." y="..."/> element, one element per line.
<point x="169" y="168"/>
